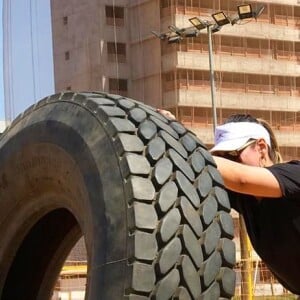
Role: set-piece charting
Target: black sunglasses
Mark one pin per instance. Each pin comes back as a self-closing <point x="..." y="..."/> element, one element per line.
<point x="234" y="155"/>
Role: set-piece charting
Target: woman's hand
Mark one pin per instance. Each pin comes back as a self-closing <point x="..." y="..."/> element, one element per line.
<point x="166" y="113"/>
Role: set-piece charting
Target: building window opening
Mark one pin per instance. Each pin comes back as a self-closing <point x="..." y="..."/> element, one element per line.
<point x="114" y="15"/>
<point x="118" y="86"/>
<point x="65" y="20"/>
<point x="116" y="52"/>
<point x="67" y="55"/>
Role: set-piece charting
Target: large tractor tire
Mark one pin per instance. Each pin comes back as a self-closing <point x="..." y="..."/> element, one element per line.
<point x="142" y="190"/>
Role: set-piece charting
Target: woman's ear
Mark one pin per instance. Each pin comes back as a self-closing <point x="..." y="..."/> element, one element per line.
<point x="263" y="149"/>
<point x="262" y="146"/>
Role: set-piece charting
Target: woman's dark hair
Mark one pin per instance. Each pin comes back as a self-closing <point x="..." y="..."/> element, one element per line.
<point x="240" y="118"/>
<point x="274" y="153"/>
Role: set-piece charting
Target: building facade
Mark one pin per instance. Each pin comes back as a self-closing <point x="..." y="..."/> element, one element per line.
<point x="108" y="46"/>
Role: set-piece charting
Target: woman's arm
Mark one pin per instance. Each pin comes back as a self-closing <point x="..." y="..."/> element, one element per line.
<point x="255" y="181"/>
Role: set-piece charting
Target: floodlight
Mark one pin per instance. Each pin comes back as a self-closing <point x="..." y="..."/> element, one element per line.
<point x="190" y="33"/>
<point x="199" y="24"/>
<point x="258" y="11"/>
<point x="174" y="39"/>
<point x="220" y="18"/>
<point x="234" y="20"/>
<point x="245" y="11"/>
<point x="161" y="36"/>
<point x="215" y="28"/>
<point x="175" y="29"/>
<point x="184" y="32"/>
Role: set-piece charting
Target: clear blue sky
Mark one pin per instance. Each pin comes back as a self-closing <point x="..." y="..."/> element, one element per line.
<point x="31" y="53"/>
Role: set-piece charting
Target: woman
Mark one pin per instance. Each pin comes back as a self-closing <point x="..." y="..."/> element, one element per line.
<point x="264" y="190"/>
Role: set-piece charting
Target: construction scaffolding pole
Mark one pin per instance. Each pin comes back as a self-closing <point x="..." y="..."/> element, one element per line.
<point x="246" y="263"/>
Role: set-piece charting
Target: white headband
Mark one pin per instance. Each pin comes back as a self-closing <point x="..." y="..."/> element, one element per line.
<point x="232" y="136"/>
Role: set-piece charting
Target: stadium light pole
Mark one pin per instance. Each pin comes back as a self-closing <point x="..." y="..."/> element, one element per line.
<point x="212" y="78"/>
<point x="199" y="24"/>
<point x="220" y="20"/>
<point x="176" y="35"/>
<point x="245" y="11"/>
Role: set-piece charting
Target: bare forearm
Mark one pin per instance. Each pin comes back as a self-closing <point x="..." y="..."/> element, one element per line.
<point x="248" y="180"/>
<point x="231" y="173"/>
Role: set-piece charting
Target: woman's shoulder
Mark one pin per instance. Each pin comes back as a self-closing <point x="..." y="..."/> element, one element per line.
<point x="287" y="174"/>
<point x="291" y="167"/>
<point x="287" y="164"/>
<point x="293" y="162"/>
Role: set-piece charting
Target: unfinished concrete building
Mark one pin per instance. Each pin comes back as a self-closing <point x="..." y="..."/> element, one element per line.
<point x="108" y="46"/>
